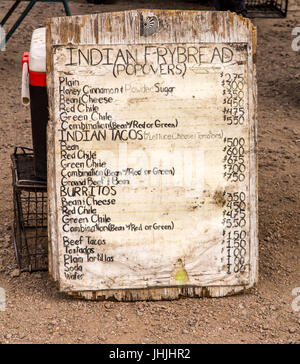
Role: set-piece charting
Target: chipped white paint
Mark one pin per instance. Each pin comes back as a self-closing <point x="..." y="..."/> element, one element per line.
<point x="182" y="98"/>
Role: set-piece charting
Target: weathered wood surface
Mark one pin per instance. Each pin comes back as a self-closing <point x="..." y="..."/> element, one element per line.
<point x="210" y="246"/>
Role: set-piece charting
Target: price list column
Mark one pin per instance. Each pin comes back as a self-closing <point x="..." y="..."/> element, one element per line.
<point x="235" y="219"/>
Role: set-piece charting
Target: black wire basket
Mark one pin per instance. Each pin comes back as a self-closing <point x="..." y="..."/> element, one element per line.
<point x="30" y="213"/>
<point x="267" y="8"/>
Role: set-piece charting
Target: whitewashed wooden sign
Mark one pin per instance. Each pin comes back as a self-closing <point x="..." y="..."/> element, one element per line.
<point x="152" y="154"/>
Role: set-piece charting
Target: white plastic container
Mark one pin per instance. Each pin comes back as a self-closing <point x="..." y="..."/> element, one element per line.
<point x="34" y="91"/>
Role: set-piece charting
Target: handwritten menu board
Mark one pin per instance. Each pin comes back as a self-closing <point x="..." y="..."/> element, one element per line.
<point x="150" y="165"/>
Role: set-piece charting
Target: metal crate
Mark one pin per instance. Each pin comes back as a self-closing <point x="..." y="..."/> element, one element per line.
<point x="30" y="213"/>
<point x="267" y="8"/>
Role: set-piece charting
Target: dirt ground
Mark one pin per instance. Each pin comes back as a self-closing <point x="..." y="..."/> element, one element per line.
<point x="36" y="313"/>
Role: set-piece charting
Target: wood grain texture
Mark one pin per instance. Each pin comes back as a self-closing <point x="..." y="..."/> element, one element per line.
<point x="174" y="27"/>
